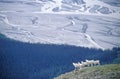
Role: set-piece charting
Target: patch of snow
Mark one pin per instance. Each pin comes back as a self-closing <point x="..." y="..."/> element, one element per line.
<point x="90" y="24"/>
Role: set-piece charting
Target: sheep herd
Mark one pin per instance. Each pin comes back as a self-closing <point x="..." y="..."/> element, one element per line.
<point x="87" y="63"/>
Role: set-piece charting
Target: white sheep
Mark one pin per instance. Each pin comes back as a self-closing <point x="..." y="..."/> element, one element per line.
<point x="76" y="65"/>
<point x="80" y="65"/>
<point x="97" y="62"/>
<point x="87" y="63"/>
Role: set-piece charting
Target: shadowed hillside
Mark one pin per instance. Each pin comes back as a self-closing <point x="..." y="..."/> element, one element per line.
<point x="42" y="61"/>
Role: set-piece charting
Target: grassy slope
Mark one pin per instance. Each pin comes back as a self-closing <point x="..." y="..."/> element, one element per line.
<point x="111" y="71"/>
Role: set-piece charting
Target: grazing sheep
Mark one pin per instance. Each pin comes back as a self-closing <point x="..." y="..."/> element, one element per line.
<point x="90" y="62"/>
<point x="87" y="63"/>
<point x="80" y="65"/>
<point x="96" y="63"/>
<point x="76" y="65"/>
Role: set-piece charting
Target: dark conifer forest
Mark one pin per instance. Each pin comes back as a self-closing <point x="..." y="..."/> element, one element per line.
<point x="42" y="61"/>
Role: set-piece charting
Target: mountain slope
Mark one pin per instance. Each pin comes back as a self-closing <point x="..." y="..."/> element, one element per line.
<point x="79" y="6"/>
<point x="101" y="72"/>
<point x="85" y="23"/>
<point x="61" y="6"/>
